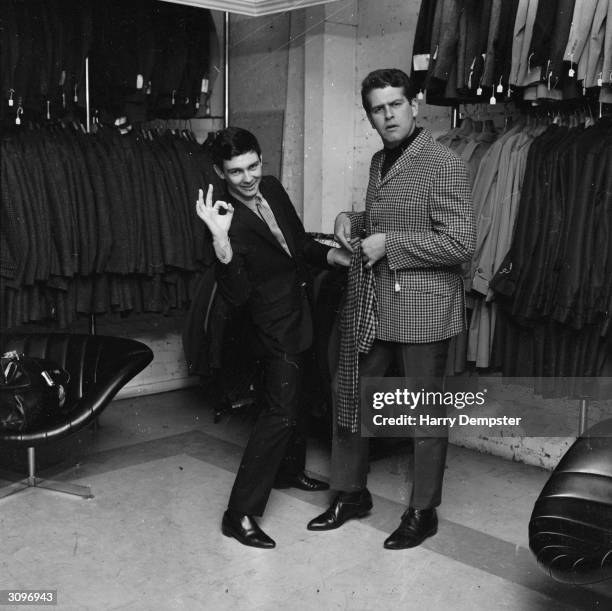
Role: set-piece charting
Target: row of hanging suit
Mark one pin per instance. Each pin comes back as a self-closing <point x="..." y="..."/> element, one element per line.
<point x="540" y="281"/>
<point x="147" y="59"/>
<point x="475" y="51"/>
<point x="99" y="223"/>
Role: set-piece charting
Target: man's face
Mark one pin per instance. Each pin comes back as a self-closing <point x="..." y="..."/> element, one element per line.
<point x="391" y="114"/>
<point x="242" y="175"/>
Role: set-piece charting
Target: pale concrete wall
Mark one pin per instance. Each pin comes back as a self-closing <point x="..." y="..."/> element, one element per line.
<point x="293" y="129"/>
<point x="259" y="59"/>
<point x="328" y="112"/>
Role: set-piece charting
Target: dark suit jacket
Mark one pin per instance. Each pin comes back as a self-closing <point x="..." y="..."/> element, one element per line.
<point x="275" y="287"/>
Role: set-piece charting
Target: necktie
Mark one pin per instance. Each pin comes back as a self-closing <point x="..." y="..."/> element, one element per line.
<point x="268" y="217"/>
<point x="358" y="332"/>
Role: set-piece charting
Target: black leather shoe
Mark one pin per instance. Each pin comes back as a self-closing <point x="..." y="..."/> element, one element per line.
<point x="415" y="527"/>
<point x="244" y="529"/>
<point x="344" y="507"/>
<point x="301" y="481"/>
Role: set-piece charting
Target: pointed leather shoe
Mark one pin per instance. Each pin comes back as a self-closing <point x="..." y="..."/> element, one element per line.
<point x="302" y="482"/>
<point x="415" y="527"/>
<point x="344" y="507"/>
<point x="244" y="529"/>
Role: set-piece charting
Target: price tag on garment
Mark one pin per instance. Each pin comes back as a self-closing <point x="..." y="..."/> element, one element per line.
<point x="204" y="85"/>
<point x="139" y="81"/>
<point x="420" y="95"/>
<point x="500" y="89"/>
<point x="420" y="62"/>
<point x="492" y="100"/>
<point x="17" y="121"/>
<point x="571" y="72"/>
<point x="11" y="102"/>
<point x="600" y="82"/>
<point x="62" y="80"/>
<point x="479" y="91"/>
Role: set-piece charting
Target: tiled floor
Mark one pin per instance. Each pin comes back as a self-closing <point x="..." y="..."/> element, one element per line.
<point x="161" y="472"/>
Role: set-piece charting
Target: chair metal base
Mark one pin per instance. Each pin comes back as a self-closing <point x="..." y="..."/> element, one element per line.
<point x="18" y="484"/>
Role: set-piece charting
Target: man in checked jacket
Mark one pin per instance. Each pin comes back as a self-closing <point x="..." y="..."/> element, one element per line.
<point x="419" y="228"/>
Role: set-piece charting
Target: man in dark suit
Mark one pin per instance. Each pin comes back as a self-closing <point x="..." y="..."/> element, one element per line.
<point x="418" y="227"/>
<point x="263" y="252"/>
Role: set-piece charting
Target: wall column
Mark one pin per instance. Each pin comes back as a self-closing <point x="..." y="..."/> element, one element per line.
<point x="329" y="83"/>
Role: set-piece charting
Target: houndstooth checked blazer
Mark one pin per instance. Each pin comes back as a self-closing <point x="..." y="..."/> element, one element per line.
<point x="424" y="206"/>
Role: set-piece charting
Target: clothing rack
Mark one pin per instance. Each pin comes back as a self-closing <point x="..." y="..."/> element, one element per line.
<point x="559" y="111"/>
<point x="89" y="120"/>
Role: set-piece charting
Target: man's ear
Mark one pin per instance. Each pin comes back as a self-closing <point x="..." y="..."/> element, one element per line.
<point x="415" y="107"/>
<point x="218" y="171"/>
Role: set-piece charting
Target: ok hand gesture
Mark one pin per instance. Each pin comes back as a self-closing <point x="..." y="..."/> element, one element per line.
<point x="217" y="216"/>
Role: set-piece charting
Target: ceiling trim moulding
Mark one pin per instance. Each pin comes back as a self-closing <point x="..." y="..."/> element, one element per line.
<point x="253" y="8"/>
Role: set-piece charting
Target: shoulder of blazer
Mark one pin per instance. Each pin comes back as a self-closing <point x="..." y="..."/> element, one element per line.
<point x="422" y="142"/>
<point x="432" y="152"/>
<point x="270" y="186"/>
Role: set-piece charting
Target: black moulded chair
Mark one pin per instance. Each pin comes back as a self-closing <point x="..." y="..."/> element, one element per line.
<point x="570" y="530"/>
<point x="99" y="367"/>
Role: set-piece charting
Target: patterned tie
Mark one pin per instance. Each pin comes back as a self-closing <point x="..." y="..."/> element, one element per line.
<point x="358" y="324"/>
<point x="265" y="212"/>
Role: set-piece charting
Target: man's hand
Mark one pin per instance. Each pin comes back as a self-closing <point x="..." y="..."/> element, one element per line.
<point x="339" y="257"/>
<point x="217" y="216"/>
<point x="342" y="231"/>
<point x="373" y="249"/>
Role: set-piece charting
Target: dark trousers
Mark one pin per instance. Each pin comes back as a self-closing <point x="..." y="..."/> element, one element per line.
<point x="349" y="465"/>
<point x="277" y="445"/>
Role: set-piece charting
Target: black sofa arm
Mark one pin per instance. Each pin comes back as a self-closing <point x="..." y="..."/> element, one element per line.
<point x="570" y="530"/>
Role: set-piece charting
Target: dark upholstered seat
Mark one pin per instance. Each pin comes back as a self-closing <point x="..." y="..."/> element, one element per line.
<point x="99" y="367"/>
<point x="570" y="531"/>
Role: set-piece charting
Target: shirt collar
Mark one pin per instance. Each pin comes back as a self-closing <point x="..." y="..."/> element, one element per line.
<point x="404" y="144"/>
<point x="250" y="204"/>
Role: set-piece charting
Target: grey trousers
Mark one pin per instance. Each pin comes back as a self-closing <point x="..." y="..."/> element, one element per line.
<point x="349" y="464"/>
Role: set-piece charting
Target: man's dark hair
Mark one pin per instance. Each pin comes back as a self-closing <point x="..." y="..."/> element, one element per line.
<point x="386" y="77"/>
<point x="232" y="142"/>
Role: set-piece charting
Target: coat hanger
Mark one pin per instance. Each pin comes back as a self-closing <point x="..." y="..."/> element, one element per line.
<point x="466" y="126"/>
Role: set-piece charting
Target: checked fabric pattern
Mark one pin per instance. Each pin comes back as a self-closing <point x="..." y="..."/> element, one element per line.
<point x="423" y="205"/>
<point x="358" y="332"/>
